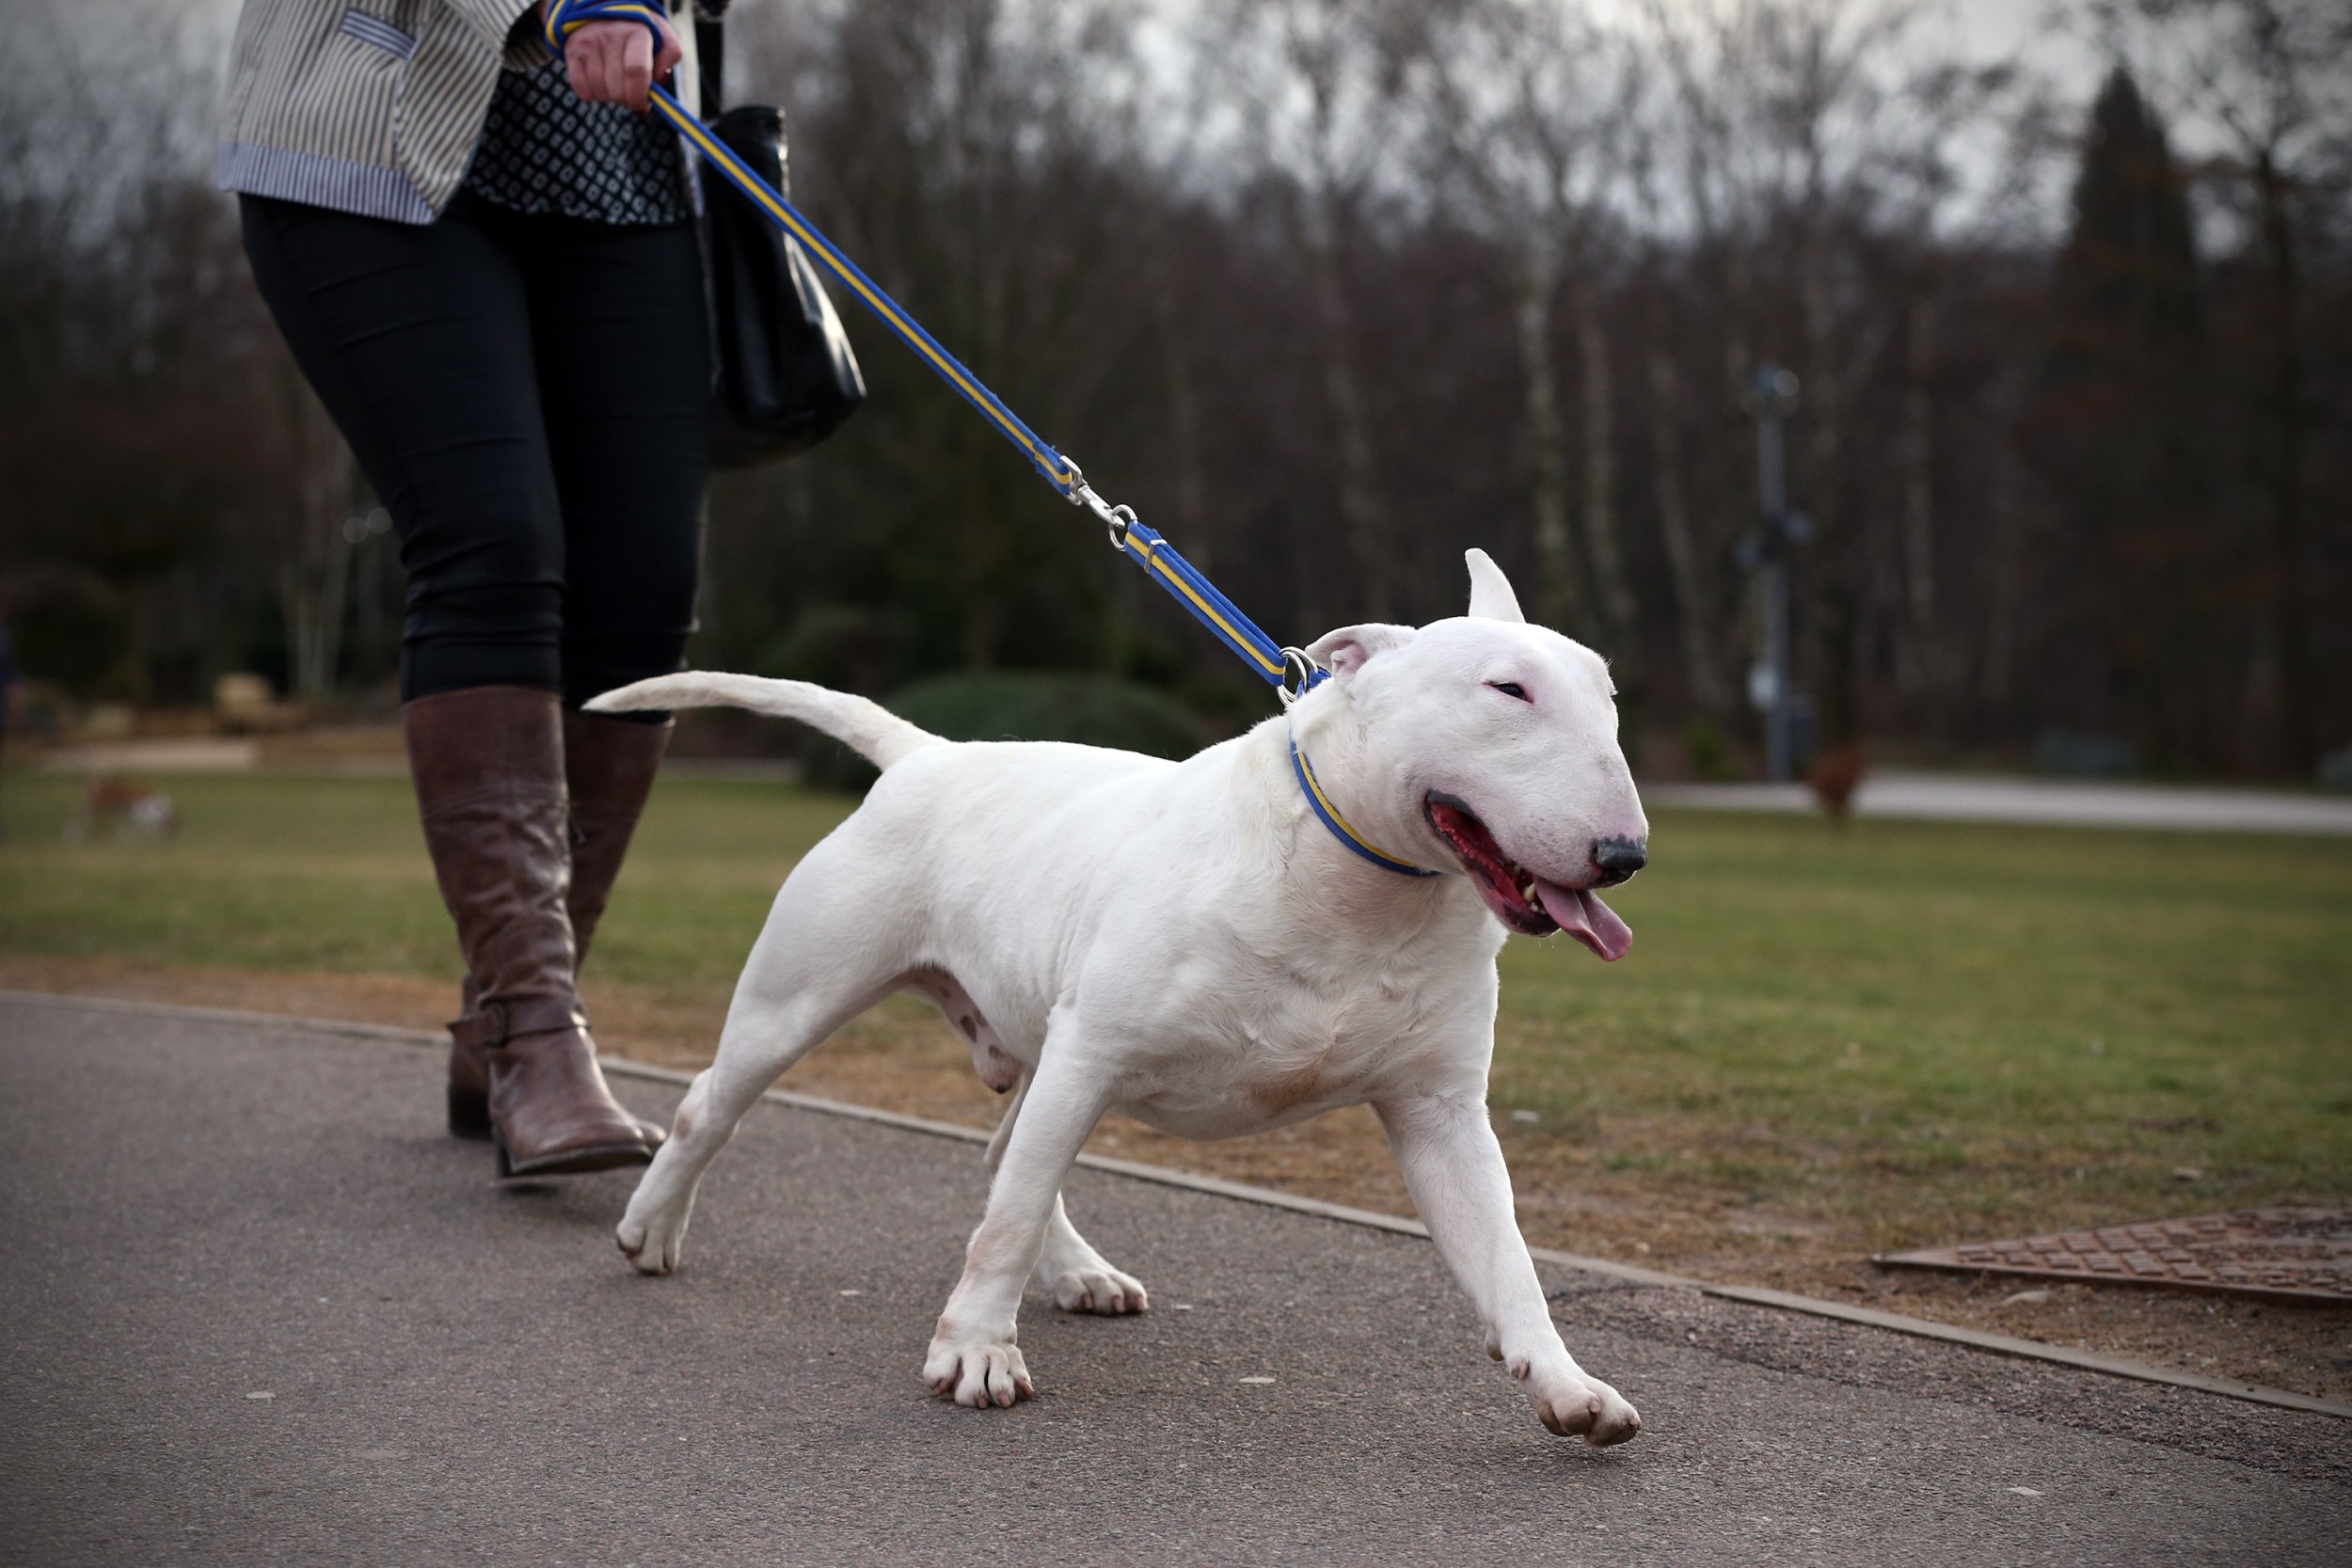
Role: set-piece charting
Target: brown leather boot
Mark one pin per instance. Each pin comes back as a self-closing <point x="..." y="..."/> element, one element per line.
<point x="609" y="767"/>
<point x="488" y="766"/>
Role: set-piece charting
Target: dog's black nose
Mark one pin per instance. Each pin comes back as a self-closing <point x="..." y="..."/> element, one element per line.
<point x="1620" y="857"/>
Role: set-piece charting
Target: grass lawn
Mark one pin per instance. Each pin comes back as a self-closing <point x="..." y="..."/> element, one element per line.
<point x="1825" y="1042"/>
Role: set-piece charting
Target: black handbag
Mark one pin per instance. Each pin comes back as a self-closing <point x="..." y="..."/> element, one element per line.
<point x="784" y="375"/>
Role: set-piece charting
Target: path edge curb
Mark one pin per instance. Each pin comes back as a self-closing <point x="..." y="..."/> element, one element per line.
<point x="1753" y="1296"/>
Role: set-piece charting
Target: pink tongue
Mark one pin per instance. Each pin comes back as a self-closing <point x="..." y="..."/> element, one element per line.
<point x="1583" y="916"/>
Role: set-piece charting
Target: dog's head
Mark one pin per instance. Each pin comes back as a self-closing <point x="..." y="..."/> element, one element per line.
<point x="1498" y="740"/>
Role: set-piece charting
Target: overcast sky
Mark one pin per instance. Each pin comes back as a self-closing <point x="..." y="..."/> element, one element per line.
<point x="1980" y="29"/>
<point x="1985" y="26"/>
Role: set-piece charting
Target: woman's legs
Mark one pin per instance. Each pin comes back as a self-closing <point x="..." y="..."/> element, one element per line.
<point x="420" y="340"/>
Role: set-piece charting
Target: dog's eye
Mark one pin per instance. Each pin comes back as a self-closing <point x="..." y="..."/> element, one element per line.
<point x="1512" y="688"/>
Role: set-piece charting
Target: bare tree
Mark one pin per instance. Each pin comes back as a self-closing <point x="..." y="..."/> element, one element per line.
<point x="1923" y="666"/>
<point x="315" y="549"/>
<point x="1687" y="565"/>
<point x="1528" y="98"/>
<point x="1814" y="134"/>
<point x="1546" y="239"/>
<point x="1316" y="87"/>
<point x="970" y="153"/>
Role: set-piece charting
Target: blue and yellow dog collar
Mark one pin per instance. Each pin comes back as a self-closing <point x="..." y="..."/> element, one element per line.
<point x="1321" y="805"/>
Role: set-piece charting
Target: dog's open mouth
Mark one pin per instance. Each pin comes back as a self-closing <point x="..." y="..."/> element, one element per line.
<point x="1523" y="901"/>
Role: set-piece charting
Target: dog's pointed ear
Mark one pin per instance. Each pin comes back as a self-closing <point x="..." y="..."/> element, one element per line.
<point x="1350" y="648"/>
<point x="1491" y="599"/>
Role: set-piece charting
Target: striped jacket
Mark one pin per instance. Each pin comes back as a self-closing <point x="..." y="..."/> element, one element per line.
<point x="373" y="106"/>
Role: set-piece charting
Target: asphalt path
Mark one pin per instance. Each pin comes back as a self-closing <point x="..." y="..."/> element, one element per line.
<point x="261" y="1308"/>
<point x="2039" y="802"/>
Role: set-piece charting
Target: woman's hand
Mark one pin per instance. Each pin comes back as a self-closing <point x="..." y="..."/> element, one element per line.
<point x="615" y="62"/>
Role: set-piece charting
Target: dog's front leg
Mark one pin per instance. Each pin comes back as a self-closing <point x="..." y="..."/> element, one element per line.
<point x="974" y="1357"/>
<point x="1454" y="1167"/>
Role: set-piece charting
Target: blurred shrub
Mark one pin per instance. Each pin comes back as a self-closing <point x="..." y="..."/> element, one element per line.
<point x="2070" y="755"/>
<point x="1088" y="710"/>
<point x="841" y="646"/>
<point x="2335" y="770"/>
<point x="1712" y="758"/>
<point x="71" y="629"/>
<point x="1225" y="698"/>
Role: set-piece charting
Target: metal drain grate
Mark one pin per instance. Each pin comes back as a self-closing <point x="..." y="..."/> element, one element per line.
<point x="2299" y="1255"/>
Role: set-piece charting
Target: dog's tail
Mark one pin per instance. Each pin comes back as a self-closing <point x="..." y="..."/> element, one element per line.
<point x="870" y="729"/>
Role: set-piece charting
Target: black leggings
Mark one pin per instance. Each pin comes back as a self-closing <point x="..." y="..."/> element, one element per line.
<point x="530" y="396"/>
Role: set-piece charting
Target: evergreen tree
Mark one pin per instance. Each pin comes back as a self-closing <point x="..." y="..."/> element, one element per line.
<point x="2143" y="582"/>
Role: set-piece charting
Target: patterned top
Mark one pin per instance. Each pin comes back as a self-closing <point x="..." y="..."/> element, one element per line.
<point x="547" y="149"/>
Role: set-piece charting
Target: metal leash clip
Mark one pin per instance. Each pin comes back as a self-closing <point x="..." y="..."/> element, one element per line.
<point x="1299" y="674"/>
<point x="1118" y="519"/>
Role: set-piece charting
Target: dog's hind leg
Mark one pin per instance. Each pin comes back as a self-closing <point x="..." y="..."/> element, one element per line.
<point x="823" y="958"/>
<point x="1079" y="1278"/>
<point x="974" y="1357"/>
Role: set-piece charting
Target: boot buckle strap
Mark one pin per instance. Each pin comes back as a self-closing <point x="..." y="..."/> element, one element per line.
<point x="492" y="1023"/>
<point x="484" y="1027"/>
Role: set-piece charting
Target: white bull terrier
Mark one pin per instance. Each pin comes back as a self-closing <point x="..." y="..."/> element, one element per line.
<point x="1301" y="918"/>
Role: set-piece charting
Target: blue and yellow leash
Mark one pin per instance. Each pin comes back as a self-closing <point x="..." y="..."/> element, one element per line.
<point x="1287" y="669"/>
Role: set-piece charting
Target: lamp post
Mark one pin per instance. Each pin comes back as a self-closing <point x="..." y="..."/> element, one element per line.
<point x="1771" y="397"/>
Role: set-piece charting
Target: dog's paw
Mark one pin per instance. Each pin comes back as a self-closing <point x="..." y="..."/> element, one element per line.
<point x="651" y="1243"/>
<point x="977" y="1370"/>
<point x="1096" y="1287"/>
<point x="1577" y="1405"/>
